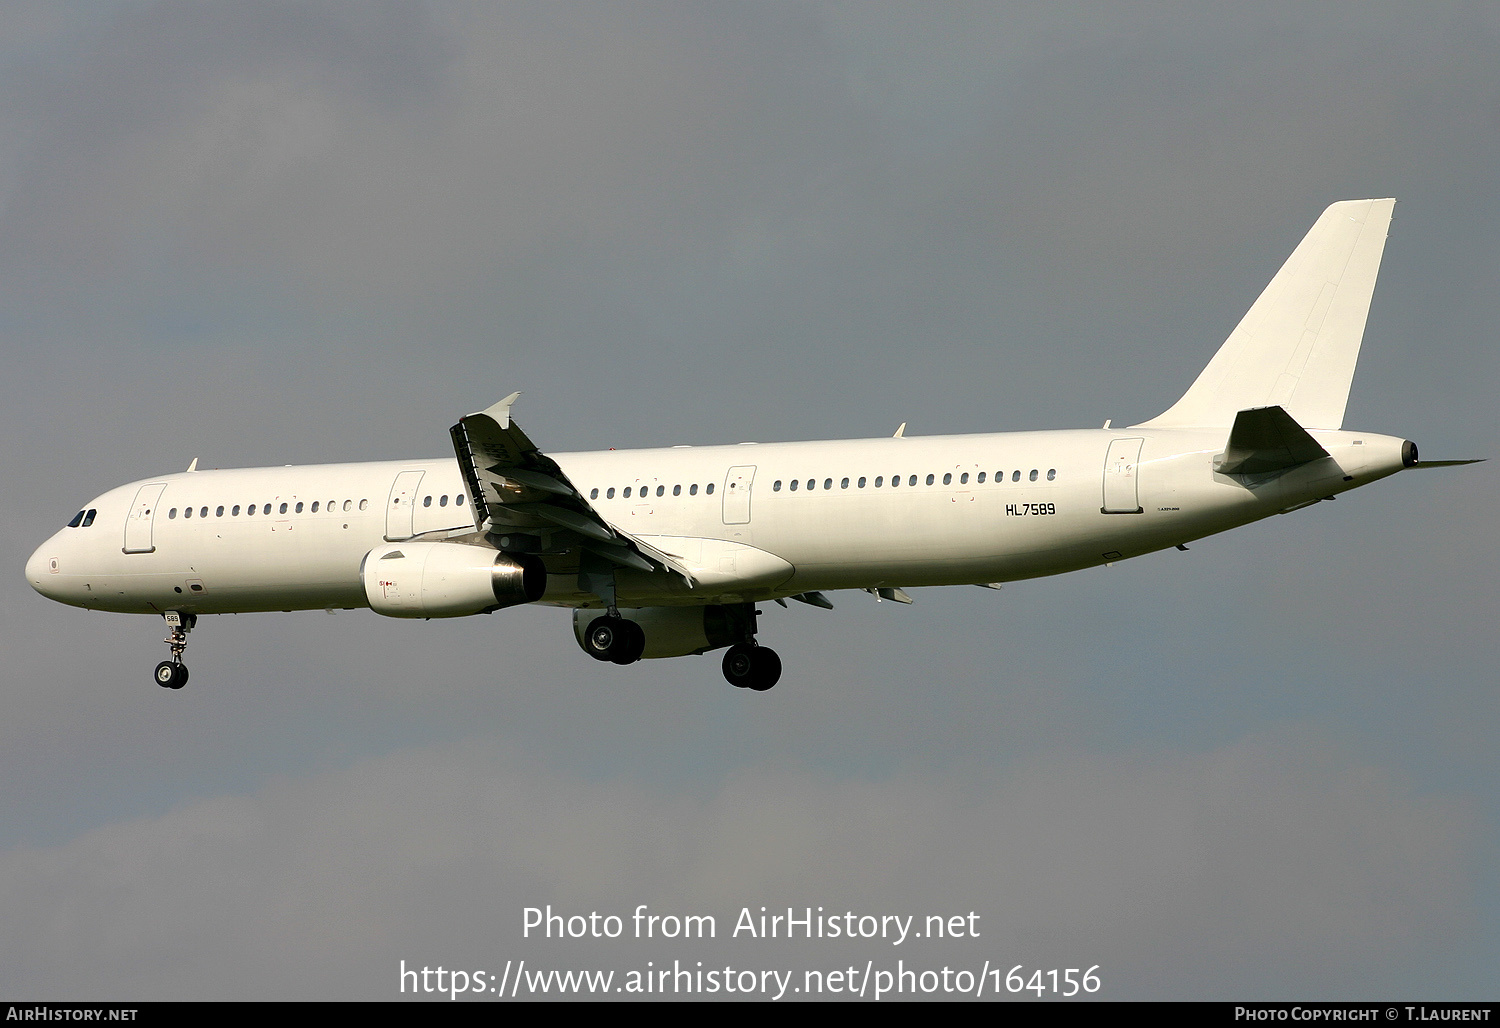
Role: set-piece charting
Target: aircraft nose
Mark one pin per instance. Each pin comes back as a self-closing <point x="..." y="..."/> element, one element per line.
<point x="41" y="570"/>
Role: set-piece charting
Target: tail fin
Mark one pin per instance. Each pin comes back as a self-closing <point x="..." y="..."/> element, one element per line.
<point x="1297" y="346"/>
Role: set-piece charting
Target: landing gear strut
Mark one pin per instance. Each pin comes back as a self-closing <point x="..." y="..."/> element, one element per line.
<point x="173" y="674"/>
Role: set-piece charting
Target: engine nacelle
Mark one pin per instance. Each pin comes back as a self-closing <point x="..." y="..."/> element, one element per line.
<point x="447" y="580"/>
<point x="672" y="631"/>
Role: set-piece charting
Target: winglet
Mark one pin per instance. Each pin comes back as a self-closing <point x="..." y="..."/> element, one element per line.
<point x="900" y="432"/>
<point x="501" y="411"/>
<point x="193" y="466"/>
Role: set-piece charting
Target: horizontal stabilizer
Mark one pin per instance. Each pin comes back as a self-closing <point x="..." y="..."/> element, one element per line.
<point x="1267" y="439"/>
<point x="1419" y="465"/>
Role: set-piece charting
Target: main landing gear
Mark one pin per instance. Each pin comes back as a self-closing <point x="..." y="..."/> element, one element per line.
<point x="173" y="674"/>
<point x="615" y="639"/>
<point x="747" y="664"/>
<point x="752" y="666"/>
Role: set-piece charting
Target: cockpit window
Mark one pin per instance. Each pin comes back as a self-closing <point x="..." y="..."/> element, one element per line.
<point x="77" y="520"/>
<point x="88" y="519"/>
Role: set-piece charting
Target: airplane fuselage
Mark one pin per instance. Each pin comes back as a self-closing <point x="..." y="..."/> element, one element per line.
<point x="755" y="520"/>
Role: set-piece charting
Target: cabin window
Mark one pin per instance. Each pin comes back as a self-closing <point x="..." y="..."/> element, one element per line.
<point x="661" y="490"/>
<point x="460" y="500"/>
<point x="266" y="509"/>
<point x="693" y="489"/>
<point x="930" y="479"/>
<point x="427" y="501"/>
<point x="1032" y="476"/>
<point x="980" y="479"/>
<point x="315" y="506"/>
<point x="218" y="512"/>
<point x="187" y="512"/>
<point x="861" y="481"/>
<point x="609" y="494"/>
<point x="234" y="511"/>
<point x="1051" y="474"/>
<point x="1015" y="476"/>
<point x="171" y="515"/>
<point x="443" y="500"/>
<point x="363" y="504"/>
<point x="795" y="484"/>
<point x="895" y="481"/>
<point x="593" y="494"/>
<point x="281" y="510"/>
<point x="249" y="510"/>
<point x="844" y="484"/>
<point x="709" y="489"/>
<point x="627" y="492"/>
<point x="776" y="486"/>
<point x="677" y="490"/>
<point x="963" y="479"/>
<point x="948" y="479"/>
<point x="299" y="506"/>
<point x="879" y="480"/>
<point x="913" y="480"/>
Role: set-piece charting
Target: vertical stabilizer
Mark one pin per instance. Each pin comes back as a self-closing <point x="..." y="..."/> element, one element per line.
<point x="1297" y="347"/>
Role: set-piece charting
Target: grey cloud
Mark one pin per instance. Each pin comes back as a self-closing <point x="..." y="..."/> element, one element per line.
<point x="1314" y="862"/>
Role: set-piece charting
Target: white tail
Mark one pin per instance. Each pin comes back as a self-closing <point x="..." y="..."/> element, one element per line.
<point x="1298" y="345"/>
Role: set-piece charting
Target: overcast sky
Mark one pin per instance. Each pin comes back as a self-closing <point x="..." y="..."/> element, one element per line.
<point x="270" y="233"/>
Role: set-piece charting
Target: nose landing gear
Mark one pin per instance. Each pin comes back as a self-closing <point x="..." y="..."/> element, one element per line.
<point x="173" y="674"/>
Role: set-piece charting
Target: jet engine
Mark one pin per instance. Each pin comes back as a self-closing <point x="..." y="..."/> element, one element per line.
<point x="674" y="631"/>
<point x="447" y="580"/>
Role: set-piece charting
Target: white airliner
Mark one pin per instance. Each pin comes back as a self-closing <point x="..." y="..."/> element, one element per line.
<point x="677" y="545"/>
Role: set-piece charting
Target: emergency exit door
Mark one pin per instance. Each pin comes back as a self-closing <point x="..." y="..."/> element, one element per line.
<point x="1122" y="477"/>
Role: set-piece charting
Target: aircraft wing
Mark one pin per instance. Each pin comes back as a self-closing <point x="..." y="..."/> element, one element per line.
<point x="519" y="491"/>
